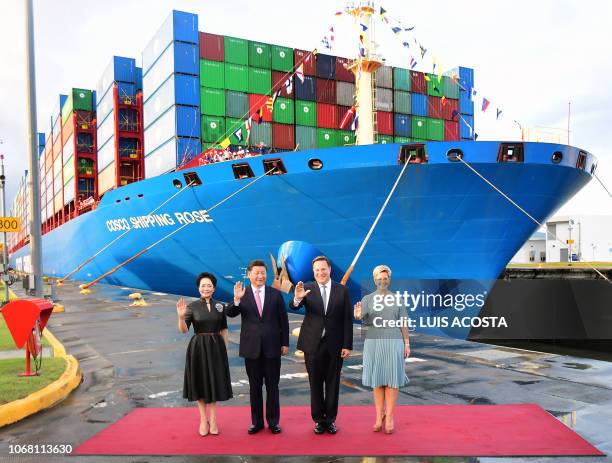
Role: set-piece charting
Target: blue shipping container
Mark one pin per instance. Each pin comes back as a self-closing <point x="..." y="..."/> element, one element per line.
<point x="326" y="66"/>
<point x="186" y="149"/>
<point x="187" y="121"/>
<point x="402" y="125"/>
<point x="124" y="69"/>
<point x="466" y="105"/>
<point x="138" y="79"/>
<point x="41" y="143"/>
<point x="187" y="90"/>
<point x="63" y="99"/>
<point x="466" y="77"/>
<point x="185" y="26"/>
<point x="306" y="90"/>
<point x="186" y="58"/>
<point x="419" y="104"/>
<point x="466" y="127"/>
<point x="94" y="100"/>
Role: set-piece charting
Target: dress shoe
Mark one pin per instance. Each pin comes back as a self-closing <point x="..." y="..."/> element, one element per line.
<point x="378" y="427"/>
<point x="331" y="428"/>
<point x="276" y="429"/>
<point x="254" y="429"/>
<point x="319" y="428"/>
<point x="203" y="430"/>
<point x="389" y="426"/>
<point x="213" y="430"/>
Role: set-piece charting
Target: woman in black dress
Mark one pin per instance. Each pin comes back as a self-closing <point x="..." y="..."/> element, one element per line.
<point x="207" y="376"/>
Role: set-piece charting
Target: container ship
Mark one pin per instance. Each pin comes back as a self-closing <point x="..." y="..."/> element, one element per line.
<point x="220" y="150"/>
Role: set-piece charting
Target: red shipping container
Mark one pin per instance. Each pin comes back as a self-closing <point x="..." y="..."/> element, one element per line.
<point x="448" y="108"/>
<point x="342" y="73"/>
<point x="57" y="148"/>
<point x="283" y="136"/>
<point x="384" y="122"/>
<point x="451" y="130"/>
<point x="278" y="81"/>
<point x="310" y="67"/>
<point x="419" y="84"/>
<point x="326" y="91"/>
<point x="256" y="102"/>
<point x="341" y="113"/>
<point x="327" y="115"/>
<point x="434" y="107"/>
<point x="211" y="47"/>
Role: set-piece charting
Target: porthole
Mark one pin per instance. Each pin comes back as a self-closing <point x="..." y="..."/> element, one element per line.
<point x="315" y="164"/>
<point x="557" y="157"/>
<point x="454" y="155"/>
<point x="177" y="183"/>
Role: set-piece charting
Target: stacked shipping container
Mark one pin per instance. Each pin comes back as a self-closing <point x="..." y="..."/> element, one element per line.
<point x="171" y="94"/>
<point x="119" y="120"/>
<point x="237" y="76"/>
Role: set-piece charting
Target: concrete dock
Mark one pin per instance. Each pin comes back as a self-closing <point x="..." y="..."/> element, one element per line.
<point x="134" y="357"/>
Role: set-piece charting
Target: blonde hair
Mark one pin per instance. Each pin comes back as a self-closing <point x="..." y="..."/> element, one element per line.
<point x="379" y="269"/>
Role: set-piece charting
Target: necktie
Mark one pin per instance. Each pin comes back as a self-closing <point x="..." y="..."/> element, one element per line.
<point x="324" y="293"/>
<point x="258" y="302"/>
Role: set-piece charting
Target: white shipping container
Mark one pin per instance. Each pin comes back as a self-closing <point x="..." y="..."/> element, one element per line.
<point x="345" y="93"/>
<point x="106" y="130"/>
<point x="69" y="191"/>
<point x="68" y="150"/>
<point x="106" y="178"/>
<point x="384" y="99"/>
<point x="106" y="154"/>
<point x="104" y="107"/>
<point x="162" y="160"/>
<point x="160" y="101"/>
<point x="159" y="73"/>
<point x="160" y="131"/>
<point x="163" y="37"/>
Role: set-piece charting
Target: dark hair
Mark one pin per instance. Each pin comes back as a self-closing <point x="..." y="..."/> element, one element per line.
<point x="256" y="263"/>
<point x="210" y="276"/>
<point x="318" y="258"/>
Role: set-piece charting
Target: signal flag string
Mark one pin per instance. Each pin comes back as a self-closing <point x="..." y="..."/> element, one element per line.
<point x="602" y="185"/>
<point x="61" y="280"/>
<point x="526" y="213"/>
<point x="86" y="286"/>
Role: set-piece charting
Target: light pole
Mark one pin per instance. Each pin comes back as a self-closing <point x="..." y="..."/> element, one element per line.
<point x="5" y="275"/>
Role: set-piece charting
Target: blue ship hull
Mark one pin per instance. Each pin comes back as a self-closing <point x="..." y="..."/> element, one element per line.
<point x="443" y="224"/>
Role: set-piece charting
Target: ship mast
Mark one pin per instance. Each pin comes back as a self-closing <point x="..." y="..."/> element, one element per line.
<point x="367" y="62"/>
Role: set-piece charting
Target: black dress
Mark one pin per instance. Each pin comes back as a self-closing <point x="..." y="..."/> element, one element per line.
<point x="207" y="375"/>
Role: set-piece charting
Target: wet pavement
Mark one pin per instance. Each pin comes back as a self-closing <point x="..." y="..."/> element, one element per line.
<point x="134" y="357"/>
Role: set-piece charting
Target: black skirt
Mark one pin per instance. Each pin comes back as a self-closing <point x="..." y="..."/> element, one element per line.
<point x="207" y="375"/>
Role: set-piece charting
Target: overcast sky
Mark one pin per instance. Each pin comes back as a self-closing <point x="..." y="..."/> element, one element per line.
<point x="530" y="58"/>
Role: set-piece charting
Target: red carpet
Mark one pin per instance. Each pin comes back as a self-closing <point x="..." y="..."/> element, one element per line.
<point x="436" y="430"/>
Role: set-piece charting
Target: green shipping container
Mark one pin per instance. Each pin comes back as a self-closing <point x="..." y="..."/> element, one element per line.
<point x="419" y="127"/>
<point x="403" y="140"/>
<point x="306" y="113"/>
<point x="401" y="102"/>
<point x="451" y="89"/>
<point x="236" y="104"/>
<point x="282" y="58"/>
<point x="346" y="137"/>
<point x="212" y="74"/>
<point x="236" y="77"/>
<point x="236" y="50"/>
<point x="213" y="129"/>
<point x="401" y="79"/>
<point x="327" y="138"/>
<point x="419" y="140"/>
<point x="384" y="139"/>
<point x="435" y="129"/>
<point x="85" y="166"/>
<point x="261" y="134"/>
<point x="212" y="101"/>
<point x="79" y="99"/>
<point x="283" y="111"/>
<point x="260" y="81"/>
<point x="435" y="87"/>
<point x="259" y="55"/>
<point x="305" y="138"/>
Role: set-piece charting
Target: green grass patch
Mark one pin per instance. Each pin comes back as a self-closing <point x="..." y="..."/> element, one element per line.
<point x="6" y="340"/>
<point x="13" y="387"/>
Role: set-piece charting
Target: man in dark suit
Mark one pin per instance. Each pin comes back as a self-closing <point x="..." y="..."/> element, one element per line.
<point x="326" y="338"/>
<point x="264" y="337"/>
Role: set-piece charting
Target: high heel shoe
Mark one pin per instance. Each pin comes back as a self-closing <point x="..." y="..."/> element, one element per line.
<point x="203" y="433"/>
<point x="389" y="426"/>
<point x="211" y="427"/>
<point x="378" y="427"/>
